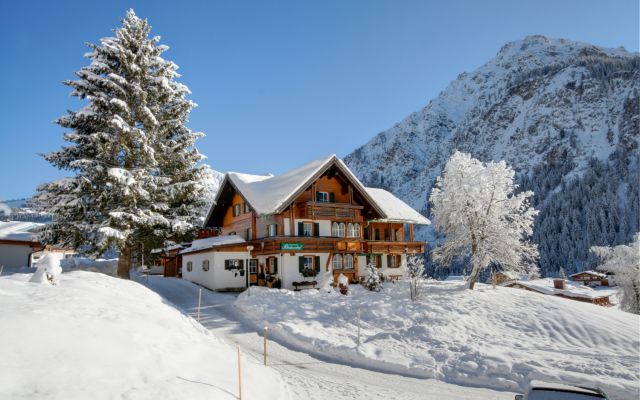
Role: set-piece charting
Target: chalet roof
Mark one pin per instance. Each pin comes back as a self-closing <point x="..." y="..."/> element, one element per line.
<point x="594" y="273"/>
<point x="571" y="289"/>
<point x="214" y="241"/>
<point x="269" y="194"/>
<point x="395" y="209"/>
<point x="20" y="231"/>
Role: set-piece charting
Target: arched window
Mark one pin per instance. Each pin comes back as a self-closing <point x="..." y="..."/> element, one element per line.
<point x="337" y="229"/>
<point x="337" y="261"/>
<point x="348" y="261"/>
<point x="353" y="230"/>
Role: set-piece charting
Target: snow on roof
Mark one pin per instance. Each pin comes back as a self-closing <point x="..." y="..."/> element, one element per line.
<point x="594" y="273"/>
<point x="207" y="243"/>
<point x="266" y="194"/>
<point x="571" y="289"/>
<point x="168" y="248"/>
<point x="20" y="231"/>
<point x="395" y="209"/>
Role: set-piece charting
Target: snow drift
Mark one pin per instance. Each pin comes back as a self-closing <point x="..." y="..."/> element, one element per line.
<point x="97" y="337"/>
<point x="496" y="338"/>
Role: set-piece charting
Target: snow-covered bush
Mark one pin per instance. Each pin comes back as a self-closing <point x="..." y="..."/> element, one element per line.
<point x="48" y="270"/>
<point x="476" y="208"/>
<point x="415" y="273"/>
<point x="373" y="280"/>
<point x="624" y="262"/>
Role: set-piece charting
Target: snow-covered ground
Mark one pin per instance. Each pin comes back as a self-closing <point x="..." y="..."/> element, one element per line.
<point x="491" y="337"/>
<point x="92" y="336"/>
<point x="310" y="377"/>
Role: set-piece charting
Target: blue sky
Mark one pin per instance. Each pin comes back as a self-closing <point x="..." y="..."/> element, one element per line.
<point x="278" y="83"/>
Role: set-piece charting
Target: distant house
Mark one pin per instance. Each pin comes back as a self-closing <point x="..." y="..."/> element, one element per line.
<point x="591" y="278"/>
<point x="570" y="290"/>
<point x="302" y="228"/>
<point x="20" y="245"/>
<point x="170" y="259"/>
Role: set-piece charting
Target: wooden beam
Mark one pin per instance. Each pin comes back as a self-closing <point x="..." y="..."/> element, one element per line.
<point x="411" y="232"/>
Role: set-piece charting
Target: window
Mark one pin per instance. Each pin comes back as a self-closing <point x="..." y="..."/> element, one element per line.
<point x="189" y="266"/>
<point x="272" y="230"/>
<point x="337" y="261"/>
<point x="309" y="265"/>
<point x="247" y="209"/>
<point x="307" y="229"/>
<point x="253" y="266"/>
<point x="272" y="265"/>
<point x="322" y="197"/>
<point x="353" y="230"/>
<point x="348" y="261"/>
<point x="375" y="259"/>
<point x="337" y="229"/>
<point x="233" y="264"/>
<point x="393" y="261"/>
<point x="376" y="234"/>
<point x="205" y="265"/>
<point x="236" y="210"/>
<point x="248" y="234"/>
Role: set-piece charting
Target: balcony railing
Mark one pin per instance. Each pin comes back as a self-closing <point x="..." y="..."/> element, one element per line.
<point x="284" y="244"/>
<point x="313" y="209"/>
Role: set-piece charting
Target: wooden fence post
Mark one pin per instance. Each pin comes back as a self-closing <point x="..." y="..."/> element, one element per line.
<point x="239" y="375"/>
<point x="265" y="345"/>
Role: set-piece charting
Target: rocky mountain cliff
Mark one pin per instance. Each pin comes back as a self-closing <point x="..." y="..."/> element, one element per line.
<point x="564" y="114"/>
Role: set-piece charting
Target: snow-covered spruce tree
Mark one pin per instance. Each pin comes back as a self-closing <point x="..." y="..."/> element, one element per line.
<point x="415" y="273"/>
<point x="562" y="274"/>
<point x="475" y="207"/>
<point x="136" y="179"/>
<point x="372" y="281"/>
<point x="624" y="262"/>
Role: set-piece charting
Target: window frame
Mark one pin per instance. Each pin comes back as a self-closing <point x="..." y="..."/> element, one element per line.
<point x="313" y="266"/>
<point x="353" y="230"/>
<point x="189" y="266"/>
<point x="237" y="209"/>
<point x="304" y="229"/>
<point x="275" y="230"/>
<point x="336" y="257"/>
<point x="205" y="265"/>
<point x="340" y="231"/>
<point x="322" y="197"/>
<point x="246" y="208"/>
<point x="253" y="269"/>
<point x="346" y="266"/>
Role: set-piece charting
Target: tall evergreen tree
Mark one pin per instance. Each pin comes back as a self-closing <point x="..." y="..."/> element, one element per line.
<point x="136" y="178"/>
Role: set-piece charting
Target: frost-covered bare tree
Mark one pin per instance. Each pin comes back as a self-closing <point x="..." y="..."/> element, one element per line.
<point x="624" y="262"/>
<point x="475" y="206"/>
<point x="415" y="273"/>
<point x="136" y="174"/>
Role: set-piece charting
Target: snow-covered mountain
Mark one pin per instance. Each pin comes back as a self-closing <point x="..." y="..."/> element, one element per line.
<point x="564" y="114"/>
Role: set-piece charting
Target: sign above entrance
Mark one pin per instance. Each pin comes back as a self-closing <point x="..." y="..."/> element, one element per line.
<point x="291" y="246"/>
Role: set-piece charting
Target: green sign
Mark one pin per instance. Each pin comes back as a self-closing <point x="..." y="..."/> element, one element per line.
<point x="291" y="246"/>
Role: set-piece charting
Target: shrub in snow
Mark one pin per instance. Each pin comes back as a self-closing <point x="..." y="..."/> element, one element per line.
<point x="136" y="174"/>
<point x="48" y="270"/>
<point x="624" y="262"/>
<point x="373" y="280"/>
<point x="415" y="273"/>
<point x="343" y="284"/>
<point x="475" y="207"/>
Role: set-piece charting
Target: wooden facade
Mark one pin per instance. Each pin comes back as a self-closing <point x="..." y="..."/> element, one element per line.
<point x="329" y="225"/>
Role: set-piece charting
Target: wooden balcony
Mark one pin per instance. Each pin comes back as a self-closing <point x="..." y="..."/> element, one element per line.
<point x="315" y="210"/>
<point x="381" y="246"/>
<point x="303" y="244"/>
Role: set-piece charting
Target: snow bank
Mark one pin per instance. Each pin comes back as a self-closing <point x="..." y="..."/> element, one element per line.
<point x="496" y="338"/>
<point x="104" y="266"/>
<point x="97" y="337"/>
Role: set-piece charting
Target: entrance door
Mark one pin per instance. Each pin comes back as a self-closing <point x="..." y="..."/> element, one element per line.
<point x="253" y="272"/>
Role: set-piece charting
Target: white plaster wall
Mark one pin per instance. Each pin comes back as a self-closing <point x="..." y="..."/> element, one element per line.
<point x="14" y="256"/>
<point x="323" y="225"/>
<point x="362" y="266"/>
<point x="217" y="277"/>
<point x="289" y="272"/>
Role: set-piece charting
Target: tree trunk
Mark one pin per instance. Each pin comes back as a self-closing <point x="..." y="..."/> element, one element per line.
<point x="124" y="261"/>
<point x="475" y="269"/>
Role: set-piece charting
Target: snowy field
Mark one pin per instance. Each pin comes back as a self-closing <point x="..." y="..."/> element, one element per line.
<point x="496" y="338"/>
<point x="96" y="337"/>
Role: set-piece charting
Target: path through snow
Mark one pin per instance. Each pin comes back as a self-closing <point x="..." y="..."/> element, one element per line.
<point x="308" y="377"/>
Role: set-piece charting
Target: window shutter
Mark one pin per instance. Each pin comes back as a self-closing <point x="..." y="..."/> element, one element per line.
<point x="389" y="260"/>
<point x="226" y="264"/>
<point x="300" y="264"/>
<point x="316" y="229"/>
<point x="332" y="197"/>
<point x="275" y="265"/>
<point x="300" y="228"/>
<point x="241" y="263"/>
<point x="317" y="265"/>
<point x="317" y="196"/>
